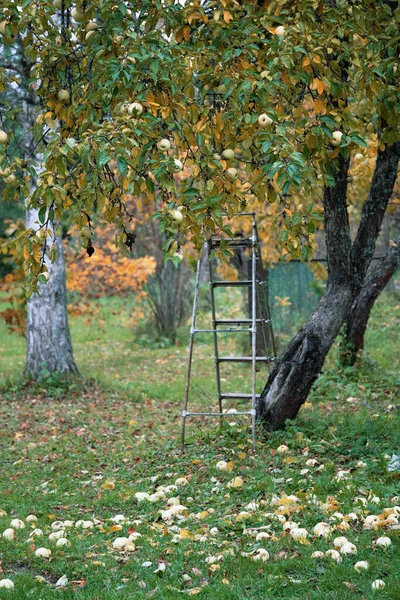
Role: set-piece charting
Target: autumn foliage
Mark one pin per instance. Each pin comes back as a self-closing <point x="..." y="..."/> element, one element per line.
<point x="107" y="272"/>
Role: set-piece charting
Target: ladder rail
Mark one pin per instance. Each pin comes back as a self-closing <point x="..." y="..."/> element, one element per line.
<point x="253" y="333"/>
<point x="265" y="291"/>
<point x="190" y="354"/>
<point x="214" y="320"/>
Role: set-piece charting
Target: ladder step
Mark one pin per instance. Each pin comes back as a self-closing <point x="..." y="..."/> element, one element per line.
<point x="240" y="321"/>
<point x="238" y="396"/>
<point x="234" y="330"/>
<point x="217" y="414"/>
<point x="241" y="283"/>
<point x="244" y="359"/>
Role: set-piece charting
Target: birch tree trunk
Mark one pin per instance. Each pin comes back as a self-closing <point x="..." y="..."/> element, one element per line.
<point x="48" y="339"/>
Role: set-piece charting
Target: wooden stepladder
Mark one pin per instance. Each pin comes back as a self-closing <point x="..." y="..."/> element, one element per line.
<point x="258" y="322"/>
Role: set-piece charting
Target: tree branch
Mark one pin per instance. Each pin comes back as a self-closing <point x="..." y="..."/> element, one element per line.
<point x="337" y="229"/>
<point x="374" y="208"/>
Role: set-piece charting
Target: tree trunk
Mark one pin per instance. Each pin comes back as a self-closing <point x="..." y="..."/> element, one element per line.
<point x="298" y="367"/>
<point x="48" y="340"/>
<point x="290" y="382"/>
<point x="377" y="278"/>
<point x="49" y="346"/>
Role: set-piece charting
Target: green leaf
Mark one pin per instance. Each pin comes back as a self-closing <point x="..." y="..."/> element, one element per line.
<point x="122" y="165"/>
<point x="103" y="159"/>
<point x="358" y="140"/>
<point x="42" y="215"/>
<point x="42" y="279"/>
<point x="150" y="185"/>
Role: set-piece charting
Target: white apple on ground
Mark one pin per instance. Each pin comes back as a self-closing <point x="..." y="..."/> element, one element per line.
<point x="9" y="534"/>
<point x="31" y="518"/>
<point x="3" y="138"/>
<point x="63" y="96"/>
<point x="383" y="541"/>
<point x="232" y="173"/>
<point x="280" y="31"/>
<point x="228" y="154"/>
<point x="164" y="145"/>
<point x="336" y="138"/>
<point x="6" y="584"/>
<point x="176" y="215"/>
<point x="264" y="120"/>
<point x="135" y="109"/>
<point x="43" y="552"/>
<point x="378" y="584"/>
<point x="361" y="565"/>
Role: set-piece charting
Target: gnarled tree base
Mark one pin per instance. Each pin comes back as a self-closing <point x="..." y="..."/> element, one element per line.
<point x="290" y="382"/>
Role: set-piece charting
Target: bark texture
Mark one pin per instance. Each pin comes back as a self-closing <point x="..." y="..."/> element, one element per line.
<point x="49" y="346"/>
<point x="299" y="366"/>
<point x="378" y="276"/>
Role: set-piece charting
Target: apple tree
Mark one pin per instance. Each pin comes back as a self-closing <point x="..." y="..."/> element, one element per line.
<point x="254" y="100"/>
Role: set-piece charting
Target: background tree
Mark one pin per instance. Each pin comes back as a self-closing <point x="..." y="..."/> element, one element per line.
<point x="256" y="101"/>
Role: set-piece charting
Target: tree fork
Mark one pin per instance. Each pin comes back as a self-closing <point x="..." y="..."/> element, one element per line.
<point x="299" y="366"/>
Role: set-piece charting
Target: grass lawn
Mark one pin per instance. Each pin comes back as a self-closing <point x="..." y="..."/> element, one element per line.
<point x="98" y="459"/>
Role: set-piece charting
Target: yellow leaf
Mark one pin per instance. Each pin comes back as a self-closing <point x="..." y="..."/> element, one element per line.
<point x="114" y="527"/>
<point x="319" y="106"/>
<point x="237" y="482"/>
<point x="215" y="567"/>
<point x="318" y="85"/>
<point x="289" y="460"/>
<point x="185" y="533"/>
<point x="132" y="422"/>
<point x="334" y="153"/>
<point x="203" y="514"/>
<point x="109" y="485"/>
<point x="230" y="465"/>
<point x="227" y="16"/>
<point x="225" y="581"/>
